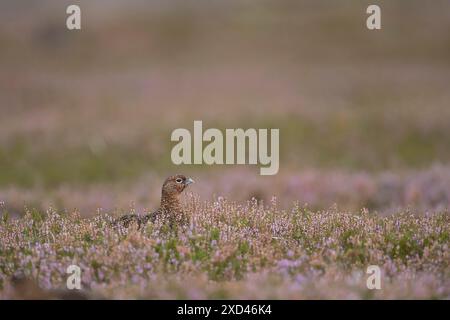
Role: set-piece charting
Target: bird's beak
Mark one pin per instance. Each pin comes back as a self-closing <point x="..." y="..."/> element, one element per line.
<point x="188" y="181"/>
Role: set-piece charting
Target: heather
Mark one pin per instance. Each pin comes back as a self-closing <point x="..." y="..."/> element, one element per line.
<point x="233" y="250"/>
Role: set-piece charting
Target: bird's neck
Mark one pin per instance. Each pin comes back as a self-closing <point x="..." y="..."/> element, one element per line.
<point x="170" y="203"/>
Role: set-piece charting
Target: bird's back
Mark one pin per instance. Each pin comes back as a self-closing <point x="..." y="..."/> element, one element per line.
<point x="130" y="219"/>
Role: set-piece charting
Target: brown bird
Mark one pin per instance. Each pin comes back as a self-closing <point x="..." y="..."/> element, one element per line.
<point x="170" y="209"/>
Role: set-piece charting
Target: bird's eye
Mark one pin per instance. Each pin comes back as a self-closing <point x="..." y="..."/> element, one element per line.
<point x="179" y="180"/>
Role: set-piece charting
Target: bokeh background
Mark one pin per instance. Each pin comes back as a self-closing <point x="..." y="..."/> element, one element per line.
<point x="86" y="116"/>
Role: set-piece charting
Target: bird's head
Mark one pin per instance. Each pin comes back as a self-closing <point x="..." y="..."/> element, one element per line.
<point x="175" y="185"/>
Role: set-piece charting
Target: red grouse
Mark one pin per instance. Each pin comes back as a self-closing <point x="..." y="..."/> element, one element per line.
<point x="170" y="209"/>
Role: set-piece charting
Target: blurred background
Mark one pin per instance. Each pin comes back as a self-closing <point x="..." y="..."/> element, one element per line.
<point x="86" y="116"/>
